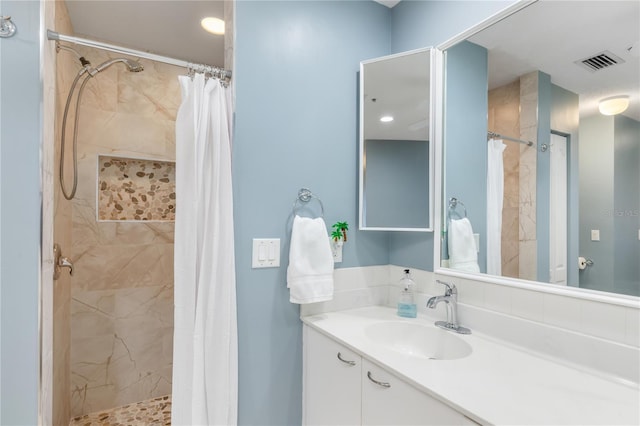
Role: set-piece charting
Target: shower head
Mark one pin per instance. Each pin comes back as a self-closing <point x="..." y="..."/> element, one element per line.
<point x="132" y="66"/>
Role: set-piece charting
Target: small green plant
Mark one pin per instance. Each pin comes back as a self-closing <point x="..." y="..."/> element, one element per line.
<point x="340" y="231"/>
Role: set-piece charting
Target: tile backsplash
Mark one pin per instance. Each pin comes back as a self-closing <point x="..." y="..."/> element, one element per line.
<point x="136" y="189"/>
<point x="595" y="335"/>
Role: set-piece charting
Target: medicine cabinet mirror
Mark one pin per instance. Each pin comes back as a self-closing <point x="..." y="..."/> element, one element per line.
<point x="396" y="149"/>
<point x="570" y="202"/>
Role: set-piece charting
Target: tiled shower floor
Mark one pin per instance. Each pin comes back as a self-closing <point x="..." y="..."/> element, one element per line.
<point x="156" y="412"/>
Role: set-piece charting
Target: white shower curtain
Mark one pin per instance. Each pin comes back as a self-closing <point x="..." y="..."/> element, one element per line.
<point x="495" y="194"/>
<point x="205" y="354"/>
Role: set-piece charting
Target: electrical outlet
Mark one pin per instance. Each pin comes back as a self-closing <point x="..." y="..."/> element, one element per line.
<point x="336" y="249"/>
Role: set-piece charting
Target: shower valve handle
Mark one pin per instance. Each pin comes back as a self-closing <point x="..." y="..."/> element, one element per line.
<point x="65" y="262"/>
<point x="60" y="262"/>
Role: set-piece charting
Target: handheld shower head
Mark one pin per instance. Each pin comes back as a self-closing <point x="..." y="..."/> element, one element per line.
<point x="132" y="66"/>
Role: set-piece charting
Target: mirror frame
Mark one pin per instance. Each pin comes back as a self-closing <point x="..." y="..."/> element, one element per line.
<point x="433" y="86"/>
<point x="538" y="286"/>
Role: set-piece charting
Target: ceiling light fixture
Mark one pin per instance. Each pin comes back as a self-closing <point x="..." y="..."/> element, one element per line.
<point x="213" y="25"/>
<point x="386" y="118"/>
<point x="613" y="105"/>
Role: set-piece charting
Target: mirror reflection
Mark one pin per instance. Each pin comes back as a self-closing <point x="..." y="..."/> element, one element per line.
<point x="395" y="148"/>
<point x="549" y="179"/>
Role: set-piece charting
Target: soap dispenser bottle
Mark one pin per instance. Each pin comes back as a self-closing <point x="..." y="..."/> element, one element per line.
<point x="406" y="303"/>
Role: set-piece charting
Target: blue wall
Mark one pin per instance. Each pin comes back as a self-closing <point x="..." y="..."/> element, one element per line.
<point x="465" y="134"/>
<point x="295" y="74"/>
<point x="20" y="214"/>
<point x="610" y="202"/>
<point x="596" y="193"/>
<point x="543" y="167"/>
<point x="296" y="126"/>
<point x="397" y="171"/>
<point x="626" y="196"/>
<point x="416" y="24"/>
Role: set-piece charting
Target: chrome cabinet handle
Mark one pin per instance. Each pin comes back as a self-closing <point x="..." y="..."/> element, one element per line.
<point x="351" y="363"/>
<point x="383" y="384"/>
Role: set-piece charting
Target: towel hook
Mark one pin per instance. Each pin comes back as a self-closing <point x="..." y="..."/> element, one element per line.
<point x="304" y="196"/>
<point x="7" y="27"/>
<point x="453" y="203"/>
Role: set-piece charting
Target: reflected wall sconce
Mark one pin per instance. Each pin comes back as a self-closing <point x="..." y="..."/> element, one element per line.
<point x="613" y="105"/>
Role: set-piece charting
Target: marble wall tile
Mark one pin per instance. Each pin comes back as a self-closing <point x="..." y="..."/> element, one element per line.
<point x="121" y="346"/>
<point x="154" y="92"/>
<point x="528" y="164"/>
<point x="126" y="134"/>
<point x="504" y="118"/>
<point x="229" y="18"/>
<point x="528" y="260"/>
<point x="123" y="266"/>
<point x="122" y="289"/>
<point x="65" y="68"/>
<point x="47" y="291"/>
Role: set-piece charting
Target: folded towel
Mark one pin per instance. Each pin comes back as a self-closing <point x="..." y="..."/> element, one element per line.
<point x="463" y="253"/>
<point x="310" y="271"/>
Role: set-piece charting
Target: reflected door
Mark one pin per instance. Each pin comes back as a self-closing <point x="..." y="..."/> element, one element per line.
<point x="558" y="208"/>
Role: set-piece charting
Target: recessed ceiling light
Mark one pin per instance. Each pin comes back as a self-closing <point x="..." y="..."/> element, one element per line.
<point x="213" y="25"/>
<point x="613" y="105"/>
<point x="386" y="118"/>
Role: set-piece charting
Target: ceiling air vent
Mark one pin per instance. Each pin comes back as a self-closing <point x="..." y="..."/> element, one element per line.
<point x="600" y="61"/>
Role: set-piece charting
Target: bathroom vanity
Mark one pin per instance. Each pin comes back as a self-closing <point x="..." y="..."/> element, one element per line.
<point x="368" y="366"/>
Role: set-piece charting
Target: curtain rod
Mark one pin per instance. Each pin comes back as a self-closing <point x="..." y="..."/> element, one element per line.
<point x="215" y="71"/>
<point x="491" y="134"/>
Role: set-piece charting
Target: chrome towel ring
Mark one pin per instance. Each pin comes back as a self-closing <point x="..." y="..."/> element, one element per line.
<point x="304" y="196"/>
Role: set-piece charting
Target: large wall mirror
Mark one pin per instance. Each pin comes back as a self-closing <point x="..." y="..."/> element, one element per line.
<point x="541" y="181"/>
<point x="396" y="150"/>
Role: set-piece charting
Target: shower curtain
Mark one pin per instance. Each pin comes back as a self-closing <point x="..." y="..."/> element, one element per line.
<point x="205" y="354"/>
<point x="495" y="194"/>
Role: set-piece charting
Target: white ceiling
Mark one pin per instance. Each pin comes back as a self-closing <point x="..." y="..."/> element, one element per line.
<point x="397" y="86"/>
<point x="165" y="27"/>
<point x="550" y="35"/>
<point x="547" y="36"/>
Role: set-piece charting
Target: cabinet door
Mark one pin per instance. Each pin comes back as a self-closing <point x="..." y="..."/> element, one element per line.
<point x="400" y="403"/>
<point x="331" y="387"/>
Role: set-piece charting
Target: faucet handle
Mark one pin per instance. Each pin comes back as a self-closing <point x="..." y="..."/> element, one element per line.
<point x="451" y="288"/>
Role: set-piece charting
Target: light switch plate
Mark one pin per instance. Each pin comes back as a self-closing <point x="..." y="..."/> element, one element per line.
<point x="595" y="235"/>
<point x="266" y="253"/>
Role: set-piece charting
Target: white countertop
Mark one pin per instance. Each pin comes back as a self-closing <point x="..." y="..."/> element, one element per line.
<point x="496" y="384"/>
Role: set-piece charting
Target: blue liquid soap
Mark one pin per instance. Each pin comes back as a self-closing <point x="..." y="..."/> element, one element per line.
<point x="406" y="303"/>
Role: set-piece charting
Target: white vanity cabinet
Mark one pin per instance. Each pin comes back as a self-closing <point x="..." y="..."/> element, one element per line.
<point x="331" y="385"/>
<point x="344" y="393"/>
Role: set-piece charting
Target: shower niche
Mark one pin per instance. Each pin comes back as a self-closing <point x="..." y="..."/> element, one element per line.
<point x="135" y="189"/>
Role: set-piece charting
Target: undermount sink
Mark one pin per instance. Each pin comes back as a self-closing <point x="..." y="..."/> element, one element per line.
<point x="418" y="340"/>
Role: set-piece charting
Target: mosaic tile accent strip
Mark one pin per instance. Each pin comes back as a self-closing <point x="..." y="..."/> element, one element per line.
<point x="156" y="411"/>
<point x="136" y="189"/>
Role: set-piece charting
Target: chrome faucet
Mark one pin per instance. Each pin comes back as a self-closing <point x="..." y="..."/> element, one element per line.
<point x="450" y="298"/>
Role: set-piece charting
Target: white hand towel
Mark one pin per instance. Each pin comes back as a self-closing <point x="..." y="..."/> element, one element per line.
<point x="463" y="254"/>
<point x="310" y="271"/>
